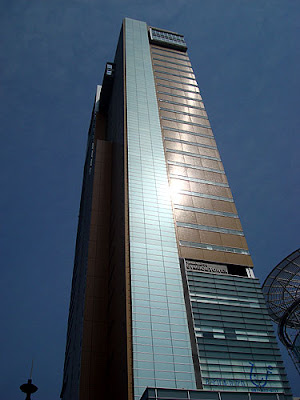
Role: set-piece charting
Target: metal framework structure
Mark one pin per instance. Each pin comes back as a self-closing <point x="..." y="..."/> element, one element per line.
<point x="282" y="292"/>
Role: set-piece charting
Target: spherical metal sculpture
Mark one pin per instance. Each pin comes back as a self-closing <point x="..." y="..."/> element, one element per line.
<point x="282" y="292"/>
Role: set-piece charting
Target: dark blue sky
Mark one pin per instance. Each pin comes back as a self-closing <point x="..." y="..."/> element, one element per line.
<point x="245" y="54"/>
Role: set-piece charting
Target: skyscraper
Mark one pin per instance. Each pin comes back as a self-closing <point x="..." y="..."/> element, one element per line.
<point x="163" y="293"/>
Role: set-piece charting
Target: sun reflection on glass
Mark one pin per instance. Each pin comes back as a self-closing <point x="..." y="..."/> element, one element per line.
<point x="175" y="188"/>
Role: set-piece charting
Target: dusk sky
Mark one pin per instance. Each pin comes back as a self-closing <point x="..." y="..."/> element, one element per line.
<point x="245" y="55"/>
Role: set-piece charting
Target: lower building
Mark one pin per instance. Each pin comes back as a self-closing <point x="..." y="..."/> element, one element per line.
<point x="281" y="290"/>
<point x="163" y="295"/>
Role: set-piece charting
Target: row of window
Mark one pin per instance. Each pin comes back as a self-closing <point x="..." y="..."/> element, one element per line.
<point x="199" y="287"/>
<point x="175" y="81"/>
<point x="185" y="165"/>
<point x="179" y="121"/>
<point x="209" y="228"/>
<point x="223" y="287"/>
<point x="163" y="394"/>
<point x="181" y="104"/>
<point x="161" y="350"/>
<point x="204" y="181"/>
<point x="214" y="247"/>
<point x="172" y="74"/>
<point x="233" y="303"/>
<point x="168" y="128"/>
<point x="199" y="100"/>
<point x="176" y="66"/>
<point x="233" y="327"/>
<point x="183" y="113"/>
<point x="172" y="68"/>
<point x="221" y="296"/>
<point x="188" y="153"/>
<point x="239" y="281"/>
<point x="183" y="89"/>
<point x="239" y="316"/>
<point x="257" y="355"/>
<point x="199" y="295"/>
<point x="172" y="62"/>
<point x="167" y="37"/>
<point x="169" y="51"/>
<point x="205" y="196"/>
<point x="243" y="283"/>
<point x="217" y="314"/>
<point x="205" y="211"/>
<point x="195" y="292"/>
<point x="164" y="54"/>
<point x="238" y="337"/>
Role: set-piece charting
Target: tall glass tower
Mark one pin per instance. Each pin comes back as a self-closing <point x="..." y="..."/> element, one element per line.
<point x="163" y="295"/>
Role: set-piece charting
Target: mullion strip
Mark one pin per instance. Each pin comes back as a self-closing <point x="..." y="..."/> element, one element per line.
<point x="172" y="68"/>
<point x="197" y="180"/>
<point x="170" y="62"/>
<point x="177" y="88"/>
<point x="166" y="128"/>
<point x="205" y="196"/>
<point x="214" y="247"/>
<point x="188" y="153"/>
<point x="159" y="48"/>
<point x="181" y="104"/>
<point x="179" y="96"/>
<point x="209" y="228"/>
<point x="205" y="211"/>
<point x="183" y="112"/>
<point x="185" y="122"/>
<point x="191" y="143"/>
<point x="172" y="80"/>
<point x="166" y="55"/>
<point x="169" y="73"/>
<point x="179" y="164"/>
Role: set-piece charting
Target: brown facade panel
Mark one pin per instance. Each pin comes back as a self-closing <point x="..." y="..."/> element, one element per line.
<point x="210" y="238"/>
<point x="185" y="216"/>
<point x="199" y="202"/>
<point x="179" y="184"/>
<point x="182" y="200"/>
<point x="203" y="255"/>
<point x="210" y="189"/>
<point x="174" y="169"/>
<point x="206" y="219"/>
<point x="173" y="84"/>
<point x="174" y="157"/>
<point x="168" y="126"/>
<point x="95" y="318"/>
<point x="209" y="176"/>
<point x="227" y="222"/>
<point x="171" y="60"/>
<point x="228" y="240"/>
<point x="158" y="67"/>
<point x="214" y="256"/>
<point x="182" y="125"/>
<point x="176" y="53"/>
<point x="239" y="259"/>
<point x="225" y="206"/>
<point x="171" y="66"/>
<point x="162" y="76"/>
<point x="203" y="162"/>
<point x="182" y="108"/>
<point x="191" y="253"/>
<point x="164" y="96"/>
<point x="188" y="235"/>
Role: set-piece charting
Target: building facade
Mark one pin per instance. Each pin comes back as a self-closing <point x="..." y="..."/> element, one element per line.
<point x="163" y="292"/>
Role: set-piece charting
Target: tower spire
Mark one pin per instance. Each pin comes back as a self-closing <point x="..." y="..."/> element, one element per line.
<point x="29" y="387"/>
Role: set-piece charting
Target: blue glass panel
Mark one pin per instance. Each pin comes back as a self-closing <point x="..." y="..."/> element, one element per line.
<point x="153" y="247"/>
